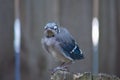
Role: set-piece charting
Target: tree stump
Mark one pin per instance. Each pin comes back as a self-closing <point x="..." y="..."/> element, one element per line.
<point x="65" y="75"/>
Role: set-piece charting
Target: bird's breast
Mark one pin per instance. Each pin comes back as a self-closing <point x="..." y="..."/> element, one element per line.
<point x="54" y="49"/>
<point x="58" y="55"/>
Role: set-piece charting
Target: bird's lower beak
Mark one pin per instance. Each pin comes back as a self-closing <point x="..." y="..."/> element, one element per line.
<point x="49" y="33"/>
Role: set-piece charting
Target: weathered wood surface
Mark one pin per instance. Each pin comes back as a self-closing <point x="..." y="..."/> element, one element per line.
<point x="64" y="75"/>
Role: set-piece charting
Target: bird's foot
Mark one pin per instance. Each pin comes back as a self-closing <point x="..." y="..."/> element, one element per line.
<point x="63" y="68"/>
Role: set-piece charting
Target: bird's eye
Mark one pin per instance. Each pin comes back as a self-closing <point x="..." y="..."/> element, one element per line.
<point x="55" y="27"/>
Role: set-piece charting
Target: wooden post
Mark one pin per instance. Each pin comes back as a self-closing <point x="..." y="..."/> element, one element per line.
<point x="65" y="75"/>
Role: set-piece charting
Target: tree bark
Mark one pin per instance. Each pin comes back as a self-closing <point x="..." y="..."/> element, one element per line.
<point x="65" y="75"/>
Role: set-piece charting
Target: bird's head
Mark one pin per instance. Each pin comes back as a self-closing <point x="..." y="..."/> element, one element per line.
<point x="51" y="29"/>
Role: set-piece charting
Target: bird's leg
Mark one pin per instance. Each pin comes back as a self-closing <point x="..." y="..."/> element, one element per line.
<point x="62" y="64"/>
<point x="64" y="67"/>
<point x="57" y="68"/>
<point x="61" y="67"/>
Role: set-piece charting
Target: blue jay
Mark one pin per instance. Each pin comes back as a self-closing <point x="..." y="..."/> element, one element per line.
<point x="58" y="42"/>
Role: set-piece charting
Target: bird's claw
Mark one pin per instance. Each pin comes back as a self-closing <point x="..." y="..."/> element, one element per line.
<point x="63" y="68"/>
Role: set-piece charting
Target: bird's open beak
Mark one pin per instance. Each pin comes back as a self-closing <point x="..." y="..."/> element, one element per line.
<point x="49" y="33"/>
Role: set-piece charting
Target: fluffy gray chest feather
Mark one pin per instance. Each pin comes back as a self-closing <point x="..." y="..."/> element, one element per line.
<point x="52" y="46"/>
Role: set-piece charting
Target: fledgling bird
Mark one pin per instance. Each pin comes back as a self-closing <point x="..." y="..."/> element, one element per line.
<point x="58" y="42"/>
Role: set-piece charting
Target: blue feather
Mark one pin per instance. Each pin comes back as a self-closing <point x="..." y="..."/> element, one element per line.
<point x="75" y="54"/>
<point x="68" y="45"/>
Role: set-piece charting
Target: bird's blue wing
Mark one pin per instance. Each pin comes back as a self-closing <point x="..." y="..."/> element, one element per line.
<point x="69" y="46"/>
<point x="72" y="50"/>
<point x="76" y="53"/>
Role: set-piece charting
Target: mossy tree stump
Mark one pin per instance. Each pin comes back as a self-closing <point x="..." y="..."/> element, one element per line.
<point x="65" y="75"/>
